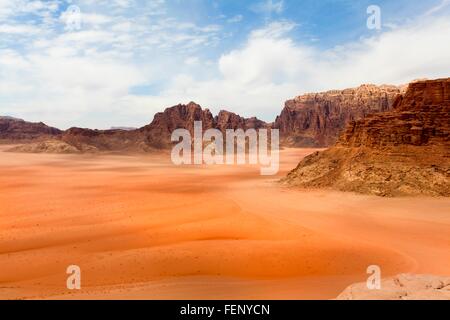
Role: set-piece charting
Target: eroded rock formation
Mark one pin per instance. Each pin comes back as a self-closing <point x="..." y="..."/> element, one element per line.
<point x="402" y="152"/>
<point x="158" y="133"/>
<point x="317" y="119"/>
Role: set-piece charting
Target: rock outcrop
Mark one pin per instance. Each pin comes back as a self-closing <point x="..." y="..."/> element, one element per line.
<point x="402" y="152"/>
<point x="158" y="133"/>
<point x="18" y="130"/>
<point x="402" y="287"/>
<point x="49" y="146"/>
<point x="316" y="120"/>
<point x="228" y="120"/>
<point x="87" y="140"/>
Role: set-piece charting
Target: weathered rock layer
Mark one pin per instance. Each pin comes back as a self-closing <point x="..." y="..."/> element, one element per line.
<point x="402" y="152"/>
<point x="316" y="120"/>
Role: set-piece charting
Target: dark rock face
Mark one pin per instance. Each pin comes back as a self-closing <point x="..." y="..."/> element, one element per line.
<point x="421" y="117"/>
<point x="424" y="95"/>
<point x="316" y="120"/>
<point x="402" y="152"/>
<point x="228" y="120"/>
<point x="158" y="133"/>
<point x="12" y="129"/>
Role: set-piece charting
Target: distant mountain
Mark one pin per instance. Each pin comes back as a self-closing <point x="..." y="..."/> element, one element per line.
<point x="402" y="152"/>
<point x="12" y="129"/>
<point x="10" y="118"/>
<point x="155" y="136"/>
<point x="87" y="140"/>
<point x="310" y="120"/>
<point x="123" y="128"/>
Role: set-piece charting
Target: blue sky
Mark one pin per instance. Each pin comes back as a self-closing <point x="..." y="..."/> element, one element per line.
<point x="132" y="58"/>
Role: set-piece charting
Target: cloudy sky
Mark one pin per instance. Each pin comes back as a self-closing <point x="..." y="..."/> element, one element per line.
<point x="128" y="59"/>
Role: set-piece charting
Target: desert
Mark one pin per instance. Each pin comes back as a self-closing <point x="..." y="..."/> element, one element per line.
<point x="180" y="152"/>
<point x="141" y="228"/>
<point x="114" y="207"/>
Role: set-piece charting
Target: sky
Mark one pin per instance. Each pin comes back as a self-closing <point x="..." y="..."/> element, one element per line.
<point x="106" y="63"/>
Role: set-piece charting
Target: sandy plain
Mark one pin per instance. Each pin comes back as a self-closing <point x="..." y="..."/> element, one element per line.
<point x="142" y="228"/>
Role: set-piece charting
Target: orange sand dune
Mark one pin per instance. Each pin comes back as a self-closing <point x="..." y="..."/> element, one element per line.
<point x="141" y="228"/>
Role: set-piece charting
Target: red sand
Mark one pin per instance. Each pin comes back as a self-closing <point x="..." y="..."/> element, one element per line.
<point x="141" y="228"/>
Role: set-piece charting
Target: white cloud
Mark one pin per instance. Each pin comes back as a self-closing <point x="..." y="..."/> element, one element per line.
<point x="18" y="29"/>
<point x="10" y="8"/>
<point x="236" y="19"/>
<point x="271" y="68"/>
<point x="63" y="86"/>
<point x="274" y="30"/>
<point x="65" y="78"/>
<point x="443" y="4"/>
<point x="192" y="61"/>
<point x="268" y="7"/>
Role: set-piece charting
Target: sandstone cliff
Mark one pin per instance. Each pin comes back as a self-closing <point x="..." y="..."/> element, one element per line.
<point x="316" y="120"/>
<point x="402" y="152"/>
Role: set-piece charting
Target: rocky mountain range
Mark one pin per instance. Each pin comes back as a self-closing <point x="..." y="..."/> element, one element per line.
<point x="405" y="151"/>
<point x="312" y="120"/>
<point x="155" y="136"/>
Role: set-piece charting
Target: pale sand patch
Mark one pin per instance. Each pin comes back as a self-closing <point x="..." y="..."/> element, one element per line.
<point x="141" y="228"/>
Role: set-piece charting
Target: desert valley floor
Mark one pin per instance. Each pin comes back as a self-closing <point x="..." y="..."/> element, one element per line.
<point x="141" y="228"/>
